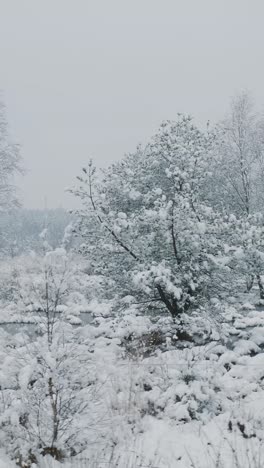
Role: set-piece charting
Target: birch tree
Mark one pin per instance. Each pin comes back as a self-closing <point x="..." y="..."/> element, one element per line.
<point x="237" y="185"/>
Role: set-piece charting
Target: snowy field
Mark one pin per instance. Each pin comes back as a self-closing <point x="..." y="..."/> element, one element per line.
<point x="131" y="393"/>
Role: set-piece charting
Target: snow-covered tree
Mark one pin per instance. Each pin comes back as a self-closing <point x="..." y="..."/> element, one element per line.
<point x="10" y="165"/>
<point x="238" y="164"/>
<point x="247" y="246"/>
<point x="47" y="383"/>
<point x="154" y="234"/>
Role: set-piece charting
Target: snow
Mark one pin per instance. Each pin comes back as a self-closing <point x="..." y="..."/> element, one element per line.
<point x="134" y="194"/>
<point x="162" y="405"/>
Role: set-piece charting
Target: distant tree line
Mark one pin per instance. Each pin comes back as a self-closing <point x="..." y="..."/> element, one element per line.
<point x="21" y="229"/>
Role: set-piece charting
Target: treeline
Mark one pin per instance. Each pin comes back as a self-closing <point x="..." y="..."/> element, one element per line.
<point x="21" y="230"/>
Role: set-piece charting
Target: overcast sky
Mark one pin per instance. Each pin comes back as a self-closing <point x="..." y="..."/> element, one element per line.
<point x="91" y="78"/>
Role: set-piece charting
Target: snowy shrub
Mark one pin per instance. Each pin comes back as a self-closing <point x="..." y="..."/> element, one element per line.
<point x="50" y="411"/>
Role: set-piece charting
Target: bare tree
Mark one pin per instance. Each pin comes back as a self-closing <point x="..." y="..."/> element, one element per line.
<point x="239" y="162"/>
<point x="10" y="165"/>
<point x="54" y="390"/>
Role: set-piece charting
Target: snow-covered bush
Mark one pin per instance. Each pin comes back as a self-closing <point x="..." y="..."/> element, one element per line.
<point x="49" y="410"/>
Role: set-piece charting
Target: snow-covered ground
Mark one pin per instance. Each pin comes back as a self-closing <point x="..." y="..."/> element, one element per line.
<point x="152" y="400"/>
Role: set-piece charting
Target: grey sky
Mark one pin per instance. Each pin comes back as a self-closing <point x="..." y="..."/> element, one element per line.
<point x="86" y="78"/>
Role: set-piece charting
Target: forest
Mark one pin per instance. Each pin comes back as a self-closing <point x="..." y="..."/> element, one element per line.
<point x="132" y="327"/>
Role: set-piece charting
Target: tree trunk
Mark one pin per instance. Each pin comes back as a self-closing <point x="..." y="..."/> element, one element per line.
<point x="170" y="302"/>
<point x="250" y="282"/>
<point x="261" y="286"/>
<point x="53" y="401"/>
